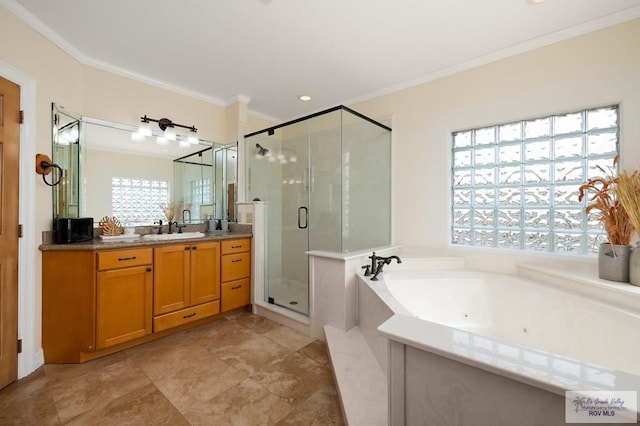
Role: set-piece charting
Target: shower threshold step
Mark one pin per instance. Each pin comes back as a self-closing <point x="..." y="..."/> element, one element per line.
<point x="362" y="385"/>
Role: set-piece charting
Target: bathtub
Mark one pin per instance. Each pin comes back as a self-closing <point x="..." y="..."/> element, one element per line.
<point x="490" y="340"/>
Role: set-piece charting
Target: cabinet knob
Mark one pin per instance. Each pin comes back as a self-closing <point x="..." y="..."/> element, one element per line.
<point x="236" y="260"/>
<point x="194" y="247"/>
<point x="236" y="287"/>
<point x="187" y="248"/>
<point x="149" y="269"/>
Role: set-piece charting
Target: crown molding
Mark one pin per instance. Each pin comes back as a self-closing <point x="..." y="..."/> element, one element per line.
<point x="257" y="114"/>
<point x="237" y="98"/>
<point x="529" y="45"/>
<point x="27" y="17"/>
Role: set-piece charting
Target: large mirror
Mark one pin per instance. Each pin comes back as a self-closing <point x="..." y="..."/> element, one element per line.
<point x="109" y="172"/>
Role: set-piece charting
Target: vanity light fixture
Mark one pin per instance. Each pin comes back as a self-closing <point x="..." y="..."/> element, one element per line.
<point x="169" y="129"/>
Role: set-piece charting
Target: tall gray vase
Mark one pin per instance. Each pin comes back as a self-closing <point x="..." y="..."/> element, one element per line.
<point x="634" y="265"/>
<point x="613" y="262"/>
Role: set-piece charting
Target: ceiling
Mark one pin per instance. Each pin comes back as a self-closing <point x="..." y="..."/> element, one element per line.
<point x="336" y="51"/>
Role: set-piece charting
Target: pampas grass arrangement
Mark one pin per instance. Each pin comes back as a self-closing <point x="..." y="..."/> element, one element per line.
<point x="627" y="190"/>
<point x="605" y="206"/>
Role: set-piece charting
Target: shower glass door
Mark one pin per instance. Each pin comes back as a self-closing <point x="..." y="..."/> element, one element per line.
<point x="278" y="173"/>
<point x="326" y="182"/>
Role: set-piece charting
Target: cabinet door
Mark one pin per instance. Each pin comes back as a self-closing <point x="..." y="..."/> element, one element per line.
<point x="205" y="272"/>
<point x="171" y="278"/>
<point x="123" y="305"/>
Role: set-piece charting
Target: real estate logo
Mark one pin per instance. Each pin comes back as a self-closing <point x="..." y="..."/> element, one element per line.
<point x="601" y="406"/>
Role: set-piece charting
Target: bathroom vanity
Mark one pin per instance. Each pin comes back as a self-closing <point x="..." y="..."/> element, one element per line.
<point x="99" y="298"/>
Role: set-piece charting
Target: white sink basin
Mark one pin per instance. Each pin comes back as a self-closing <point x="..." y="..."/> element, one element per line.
<point x="174" y="236"/>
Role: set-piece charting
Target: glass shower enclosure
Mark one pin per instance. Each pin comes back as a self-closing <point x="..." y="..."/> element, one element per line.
<point x="326" y="181"/>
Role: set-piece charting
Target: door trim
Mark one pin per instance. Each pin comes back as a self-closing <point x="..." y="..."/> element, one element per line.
<point x="29" y="270"/>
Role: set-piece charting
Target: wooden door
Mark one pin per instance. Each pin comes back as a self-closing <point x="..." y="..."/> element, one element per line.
<point x="170" y="278"/>
<point x="9" y="185"/>
<point x="124" y="305"/>
<point x="205" y="272"/>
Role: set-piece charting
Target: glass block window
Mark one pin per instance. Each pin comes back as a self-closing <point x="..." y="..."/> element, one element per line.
<point x="515" y="185"/>
<point x="138" y="201"/>
<point x="200" y="193"/>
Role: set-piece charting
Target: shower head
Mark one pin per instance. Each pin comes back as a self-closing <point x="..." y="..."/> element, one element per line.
<point x="261" y="150"/>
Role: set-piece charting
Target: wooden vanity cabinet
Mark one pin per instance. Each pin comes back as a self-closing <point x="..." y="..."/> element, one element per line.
<point x="236" y="273"/>
<point x="186" y="283"/>
<point x="92" y="300"/>
<point x="124" y="286"/>
<point x="68" y="305"/>
<point x="96" y="302"/>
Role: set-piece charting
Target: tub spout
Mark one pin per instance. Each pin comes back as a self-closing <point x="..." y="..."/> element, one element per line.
<point x="381" y="262"/>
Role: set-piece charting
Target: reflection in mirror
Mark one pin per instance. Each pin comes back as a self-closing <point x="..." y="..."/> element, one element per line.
<point x="121" y="175"/>
<point x="205" y="184"/>
<point x="65" y="138"/>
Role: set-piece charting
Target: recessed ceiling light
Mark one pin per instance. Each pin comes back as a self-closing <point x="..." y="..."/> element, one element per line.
<point x="304" y="98"/>
<point x="536" y="1"/>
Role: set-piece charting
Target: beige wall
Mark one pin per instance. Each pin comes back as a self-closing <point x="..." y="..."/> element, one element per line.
<point x="593" y="70"/>
<point x="105" y="165"/>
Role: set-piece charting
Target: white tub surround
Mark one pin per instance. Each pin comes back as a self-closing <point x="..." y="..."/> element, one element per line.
<point x="362" y="386"/>
<point x="480" y="348"/>
<point x="333" y="283"/>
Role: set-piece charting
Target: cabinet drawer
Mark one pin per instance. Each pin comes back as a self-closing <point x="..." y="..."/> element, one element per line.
<point x="124" y="258"/>
<point x="235" y="266"/>
<point x="236" y="246"/>
<point x="236" y="294"/>
<point x="185" y="316"/>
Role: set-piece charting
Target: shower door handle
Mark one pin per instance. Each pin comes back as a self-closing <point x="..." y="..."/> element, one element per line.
<point x="301" y="215"/>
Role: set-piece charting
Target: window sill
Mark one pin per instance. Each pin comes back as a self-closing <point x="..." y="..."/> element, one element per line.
<point x="584" y="282"/>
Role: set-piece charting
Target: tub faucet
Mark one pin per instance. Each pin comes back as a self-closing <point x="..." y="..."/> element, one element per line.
<point x="381" y="262"/>
<point x="387" y="260"/>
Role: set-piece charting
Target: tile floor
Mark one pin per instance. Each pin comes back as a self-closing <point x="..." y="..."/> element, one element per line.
<point x="242" y="369"/>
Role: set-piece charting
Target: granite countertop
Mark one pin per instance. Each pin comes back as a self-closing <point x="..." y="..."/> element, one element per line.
<point x="98" y="244"/>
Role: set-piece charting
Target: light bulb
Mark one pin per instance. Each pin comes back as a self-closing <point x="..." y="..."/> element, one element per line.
<point x="170" y="133"/>
<point x="144" y="129"/>
<point x="137" y="137"/>
<point x="193" y="138"/>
